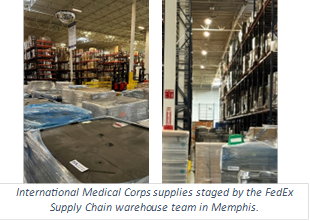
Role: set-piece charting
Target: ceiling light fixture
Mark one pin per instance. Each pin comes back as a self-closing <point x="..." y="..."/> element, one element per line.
<point x="204" y="52"/>
<point x="206" y="34"/>
<point x="140" y="27"/>
<point x="202" y="67"/>
<point x="77" y="10"/>
<point x="208" y="21"/>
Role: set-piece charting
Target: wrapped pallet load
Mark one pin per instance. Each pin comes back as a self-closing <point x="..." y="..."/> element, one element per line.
<point x="41" y="86"/>
<point x="207" y="162"/>
<point x="76" y="96"/>
<point x="91" y="151"/>
<point x="174" y="156"/>
<point x="252" y="161"/>
<point x="125" y="108"/>
<point x="40" y="116"/>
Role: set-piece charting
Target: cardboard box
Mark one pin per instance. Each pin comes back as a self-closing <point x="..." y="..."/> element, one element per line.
<point x="208" y="124"/>
<point x="269" y="134"/>
<point x="207" y="162"/>
<point x="117" y="49"/>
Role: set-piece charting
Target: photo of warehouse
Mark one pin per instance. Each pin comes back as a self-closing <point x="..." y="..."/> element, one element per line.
<point x="86" y="91"/>
<point x="220" y="91"/>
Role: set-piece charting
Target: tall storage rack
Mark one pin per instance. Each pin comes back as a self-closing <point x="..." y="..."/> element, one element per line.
<point x="62" y="64"/>
<point x="251" y="99"/>
<point x="40" y="62"/>
<point x="116" y="66"/>
<point x="183" y="86"/>
<point x="85" y="67"/>
<point x="183" y="106"/>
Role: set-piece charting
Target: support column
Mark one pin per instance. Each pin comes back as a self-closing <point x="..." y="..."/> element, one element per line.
<point x="146" y="57"/>
<point x="71" y="65"/>
<point x="132" y="37"/>
<point x="169" y="62"/>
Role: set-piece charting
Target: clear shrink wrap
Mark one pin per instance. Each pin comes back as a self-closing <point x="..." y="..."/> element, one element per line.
<point x="60" y="85"/>
<point x="77" y="96"/>
<point x="253" y="157"/>
<point x="52" y="95"/>
<point x="125" y="108"/>
<point x="174" y="156"/>
<point x="40" y="86"/>
<point x="142" y="93"/>
<point x="144" y="122"/>
<point x="207" y="162"/>
<point x="107" y="158"/>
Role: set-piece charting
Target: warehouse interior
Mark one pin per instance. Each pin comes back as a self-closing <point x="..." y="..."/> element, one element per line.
<point x="220" y="90"/>
<point x="86" y="91"/>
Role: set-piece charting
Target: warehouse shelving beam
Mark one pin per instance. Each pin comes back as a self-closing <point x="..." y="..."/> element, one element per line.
<point x="132" y="37"/>
<point x="183" y="87"/>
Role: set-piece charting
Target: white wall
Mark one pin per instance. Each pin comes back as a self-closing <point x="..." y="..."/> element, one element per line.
<point x="206" y="97"/>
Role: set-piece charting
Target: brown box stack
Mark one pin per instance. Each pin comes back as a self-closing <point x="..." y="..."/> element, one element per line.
<point x="208" y="124"/>
<point x="207" y="162"/>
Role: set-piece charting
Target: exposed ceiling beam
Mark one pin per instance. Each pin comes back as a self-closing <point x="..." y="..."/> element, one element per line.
<point x="211" y="30"/>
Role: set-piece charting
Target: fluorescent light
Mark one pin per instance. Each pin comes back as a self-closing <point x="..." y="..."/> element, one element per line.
<point x="77" y="10"/>
<point x="208" y="21"/>
<point x="202" y="67"/>
<point x="207" y="34"/>
<point x="140" y="27"/>
<point x="204" y="52"/>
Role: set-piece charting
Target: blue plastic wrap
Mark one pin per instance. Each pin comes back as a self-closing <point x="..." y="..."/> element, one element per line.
<point x="39" y="116"/>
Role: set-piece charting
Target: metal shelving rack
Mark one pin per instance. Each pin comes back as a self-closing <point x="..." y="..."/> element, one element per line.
<point x="254" y="79"/>
<point x="182" y="93"/>
<point x="79" y="72"/>
<point x="45" y="68"/>
<point x="183" y="104"/>
<point x="59" y="63"/>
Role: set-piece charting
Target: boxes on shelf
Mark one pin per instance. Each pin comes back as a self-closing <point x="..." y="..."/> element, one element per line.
<point x="274" y="91"/>
<point x="207" y="162"/>
<point x="262" y="46"/>
<point x="207" y="124"/>
<point x="125" y="108"/>
<point x="117" y="49"/>
<point x="174" y="156"/>
<point x="245" y="64"/>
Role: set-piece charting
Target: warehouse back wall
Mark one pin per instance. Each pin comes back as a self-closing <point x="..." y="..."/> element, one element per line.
<point x="206" y="97"/>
